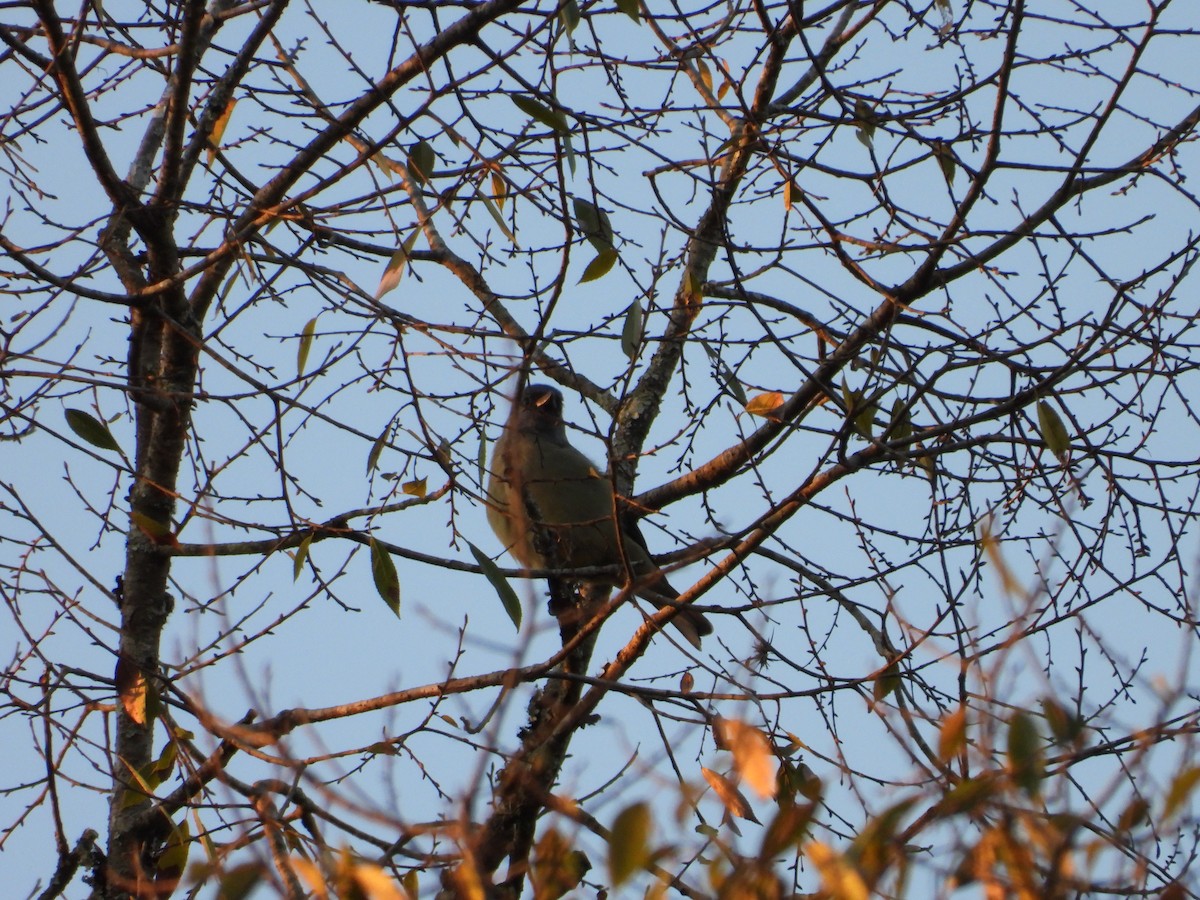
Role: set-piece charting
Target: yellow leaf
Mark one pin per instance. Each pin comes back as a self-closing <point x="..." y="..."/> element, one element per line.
<point x="131" y="688"/>
<point x="600" y="266"/>
<point x="301" y="556"/>
<point x="1054" y="432"/>
<point x="499" y="189"/>
<point x="764" y="404"/>
<point x="752" y="756"/>
<point x="312" y="875"/>
<point x="629" y="843"/>
<point x="414" y="488"/>
<point x="375" y="883"/>
<point x="218" y="130"/>
<point x="733" y="799"/>
<point x="952" y="737"/>
<point x="1182" y="787"/>
<point x="838" y="879"/>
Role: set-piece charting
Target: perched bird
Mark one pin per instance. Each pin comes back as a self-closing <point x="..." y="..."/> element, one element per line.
<point x="565" y="515"/>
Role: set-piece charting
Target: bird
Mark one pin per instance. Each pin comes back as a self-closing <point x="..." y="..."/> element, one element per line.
<point x="566" y="516"/>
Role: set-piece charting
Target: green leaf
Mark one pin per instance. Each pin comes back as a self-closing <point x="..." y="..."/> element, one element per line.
<point x="628" y="843"/>
<point x="631" y="331"/>
<point x="865" y="118"/>
<point x="966" y="796"/>
<point x="91" y="429"/>
<point x="238" y="883"/>
<point x="569" y="148"/>
<point x="593" y="224"/>
<point x="165" y="764"/>
<point x="173" y="859"/>
<point x="551" y="118"/>
<point x="1054" y="432"/>
<point x="421" y="160"/>
<point x="508" y="597"/>
<point x="888" y="682"/>
<point x="481" y="460"/>
<point x="726" y="377"/>
<point x="900" y="426"/>
<point x="945" y="158"/>
<point x="306" y="339"/>
<point x="301" y="556"/>
<point x="599" y="266"/>
<point x="1065" y="726"/>
<point x="1025" y="756"/>
<point x="387" y="582"/>
<point x="630" y="8"/>
<point x="410" y="884"/>
<point x="569" y="14"/>
<point x="860" y="413"/>
<point x="557" y="868"/>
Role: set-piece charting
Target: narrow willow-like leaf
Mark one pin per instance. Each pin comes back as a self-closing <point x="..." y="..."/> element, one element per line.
<point x="631" y="331"/>
<point x="396" y="265"/>
<point x="495" y="214"/>
<point x="306" y="340"/>
<point x="481" y="460"/>
<point x="726" y="377"/>
<point x="377" y="449"/>
<point x="551" y="118"/>
<point x="301" y="556"/>
<point x="508" y="597"/>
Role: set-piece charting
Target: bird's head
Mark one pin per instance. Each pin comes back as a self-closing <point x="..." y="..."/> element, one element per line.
<point x="541" y="411"/>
